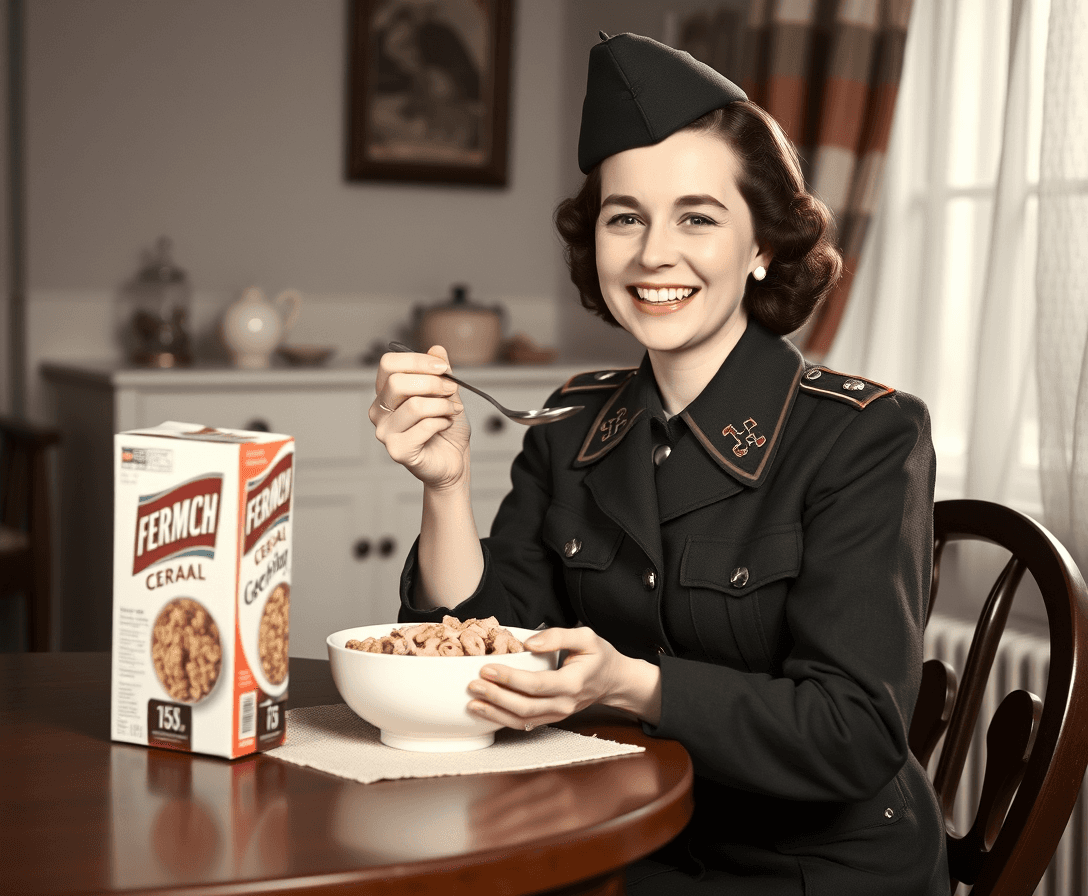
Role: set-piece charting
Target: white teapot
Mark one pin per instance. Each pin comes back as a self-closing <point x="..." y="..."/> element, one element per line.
<point x="253" y="327"/>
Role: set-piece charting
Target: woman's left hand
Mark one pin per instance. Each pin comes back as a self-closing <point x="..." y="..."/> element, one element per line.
<point x="593" y="672"/>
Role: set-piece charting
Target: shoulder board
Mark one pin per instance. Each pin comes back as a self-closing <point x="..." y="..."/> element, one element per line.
<point x="598" y="379"/>
<point x="854" y="390"/>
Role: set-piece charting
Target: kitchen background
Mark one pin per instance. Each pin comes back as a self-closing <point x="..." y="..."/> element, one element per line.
<point x="222" y="126"/>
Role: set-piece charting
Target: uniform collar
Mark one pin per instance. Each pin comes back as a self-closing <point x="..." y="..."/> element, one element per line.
<point x="738" y="419"/>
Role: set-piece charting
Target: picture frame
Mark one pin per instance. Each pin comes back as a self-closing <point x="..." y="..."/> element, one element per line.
<point x="429" y="91"/>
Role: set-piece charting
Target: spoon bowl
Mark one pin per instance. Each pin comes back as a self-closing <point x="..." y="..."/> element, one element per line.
<point x="527" y="418"/>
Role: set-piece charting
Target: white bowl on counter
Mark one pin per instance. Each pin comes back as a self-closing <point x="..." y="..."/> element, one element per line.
<point x="420" y="703"/>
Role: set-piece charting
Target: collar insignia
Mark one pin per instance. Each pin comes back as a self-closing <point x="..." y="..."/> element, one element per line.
<point x="748" y="437"/>
<point x="612" y="424"/>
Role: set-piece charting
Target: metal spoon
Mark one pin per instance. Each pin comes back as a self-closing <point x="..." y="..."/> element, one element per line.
<point x="529" y="418"/>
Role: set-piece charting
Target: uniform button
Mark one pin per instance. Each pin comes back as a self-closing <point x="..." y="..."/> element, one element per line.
<point x="660" y="453"/>
<point x="660" y="650"/>
<point x="739" y="578"/>
<point x="853" y="385"/>
<point x="889" y="812"/>
<point x="814" y="374"/>
<point x="572" y="547"/>
<point x="649" y="579"/>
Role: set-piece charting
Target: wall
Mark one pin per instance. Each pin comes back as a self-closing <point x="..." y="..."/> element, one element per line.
<point x="221" y="125"/>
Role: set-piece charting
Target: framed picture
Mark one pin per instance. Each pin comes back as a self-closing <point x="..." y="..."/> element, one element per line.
<point x="429" y="90"/>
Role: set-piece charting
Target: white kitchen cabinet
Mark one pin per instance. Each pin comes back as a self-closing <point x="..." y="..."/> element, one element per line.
<point x="356" y="511"/>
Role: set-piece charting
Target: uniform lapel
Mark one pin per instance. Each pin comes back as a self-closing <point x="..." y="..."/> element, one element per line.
<point x="740" y="417"/>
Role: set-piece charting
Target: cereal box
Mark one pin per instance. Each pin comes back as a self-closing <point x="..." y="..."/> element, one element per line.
<point x="201" y="588"/>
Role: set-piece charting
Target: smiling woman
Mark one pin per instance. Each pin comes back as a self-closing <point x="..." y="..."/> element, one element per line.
<point x="730" y="545"/>
<point x="672" y="260"/>
<point x="767" y="174"/>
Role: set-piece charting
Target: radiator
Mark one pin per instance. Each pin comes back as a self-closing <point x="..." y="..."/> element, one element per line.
<point x="1022" y="661"/>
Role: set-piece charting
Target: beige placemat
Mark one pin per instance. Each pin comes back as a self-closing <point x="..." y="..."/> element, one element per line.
<point x="333" y="739"/>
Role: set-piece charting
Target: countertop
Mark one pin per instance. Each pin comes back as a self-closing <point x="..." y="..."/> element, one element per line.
<point x="110" y="374"/>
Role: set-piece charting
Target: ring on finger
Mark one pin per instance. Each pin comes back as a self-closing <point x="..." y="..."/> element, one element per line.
<point x="384" y="408"/>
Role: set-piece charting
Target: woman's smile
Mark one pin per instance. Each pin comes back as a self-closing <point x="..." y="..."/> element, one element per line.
<point x="651" y="299"/>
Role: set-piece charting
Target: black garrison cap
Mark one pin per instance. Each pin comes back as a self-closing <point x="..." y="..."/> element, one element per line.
<point x="639" y="91"/>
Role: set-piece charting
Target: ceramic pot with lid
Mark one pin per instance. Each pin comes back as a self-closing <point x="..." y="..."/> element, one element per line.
<point x="470" y="333"/>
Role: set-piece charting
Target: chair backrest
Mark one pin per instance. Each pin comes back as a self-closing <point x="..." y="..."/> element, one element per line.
<point x="25" y="535"/>
<point x="22" y="467"/>
<point x="1037" y="751"/>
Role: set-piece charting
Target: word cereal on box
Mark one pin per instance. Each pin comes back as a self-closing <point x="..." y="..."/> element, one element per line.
<point x="201" y="588"/>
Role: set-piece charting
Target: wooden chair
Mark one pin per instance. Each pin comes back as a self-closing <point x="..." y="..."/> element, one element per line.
<point x="25" y="537"/>
<point x="1036" y="751"/>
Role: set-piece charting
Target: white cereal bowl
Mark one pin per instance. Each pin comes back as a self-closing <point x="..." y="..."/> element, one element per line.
<point x="420" y="703"/>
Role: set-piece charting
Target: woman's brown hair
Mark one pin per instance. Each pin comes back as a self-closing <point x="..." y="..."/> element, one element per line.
<point x="785" y="216"/>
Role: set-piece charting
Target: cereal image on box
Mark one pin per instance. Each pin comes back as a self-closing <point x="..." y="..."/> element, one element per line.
<point x="186" y="650"/>
<point x="273" y="637"/>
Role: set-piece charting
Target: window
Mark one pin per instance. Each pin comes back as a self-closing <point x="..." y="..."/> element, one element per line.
<point x="943" y="304"/>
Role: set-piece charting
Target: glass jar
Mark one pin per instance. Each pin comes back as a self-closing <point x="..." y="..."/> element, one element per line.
<point x="157" y="301"/>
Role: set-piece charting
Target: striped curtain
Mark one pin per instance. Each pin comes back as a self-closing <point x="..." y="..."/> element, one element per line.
<point x="828" y="71"/>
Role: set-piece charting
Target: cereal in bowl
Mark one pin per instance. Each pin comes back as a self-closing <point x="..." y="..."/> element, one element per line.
<point x="450" y="637"/>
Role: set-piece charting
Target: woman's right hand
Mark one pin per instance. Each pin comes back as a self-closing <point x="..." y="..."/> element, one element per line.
<point x="418" y="415"/>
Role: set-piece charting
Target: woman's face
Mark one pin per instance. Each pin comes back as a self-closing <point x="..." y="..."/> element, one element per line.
<point x="675" y="245"/>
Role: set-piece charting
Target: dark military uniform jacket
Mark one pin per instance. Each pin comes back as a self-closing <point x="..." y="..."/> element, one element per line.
<point x="775" y="565"/>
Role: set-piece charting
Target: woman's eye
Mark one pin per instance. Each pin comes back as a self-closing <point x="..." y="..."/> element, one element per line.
<point x="701" y="220"/>
<point x="623" y="220"/>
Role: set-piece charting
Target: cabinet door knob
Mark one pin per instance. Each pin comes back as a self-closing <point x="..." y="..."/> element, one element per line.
<point x="361" y="549"/>
<point x="386" y="546"/>
<point x="495" y="423"/>
<point x="258" y="425"/>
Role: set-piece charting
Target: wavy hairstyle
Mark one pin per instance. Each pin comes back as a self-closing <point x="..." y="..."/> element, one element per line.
<point x="785" y="216"/>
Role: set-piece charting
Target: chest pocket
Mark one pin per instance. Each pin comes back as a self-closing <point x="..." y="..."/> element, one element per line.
<point x="737" y="589"/>
<point x="583" y="547"/>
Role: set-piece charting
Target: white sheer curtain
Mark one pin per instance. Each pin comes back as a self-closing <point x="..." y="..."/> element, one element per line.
<point x="1062" y="293"/>
<point x="945" y="300"/>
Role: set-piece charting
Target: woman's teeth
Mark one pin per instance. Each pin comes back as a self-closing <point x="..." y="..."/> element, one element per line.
<point x="663" y="295"/>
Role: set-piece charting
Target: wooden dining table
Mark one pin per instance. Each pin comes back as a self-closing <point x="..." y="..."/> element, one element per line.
<point x="81" y="814"/>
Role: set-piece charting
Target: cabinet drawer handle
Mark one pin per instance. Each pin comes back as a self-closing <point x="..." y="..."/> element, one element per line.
<point x="386" y="547"/>
<point x="258" y="425"/>
<point x="495" y="424"/>
<point x="361" y="549"/>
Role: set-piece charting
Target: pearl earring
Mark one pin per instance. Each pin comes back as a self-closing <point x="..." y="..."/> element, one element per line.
<point x="760" y="272"/>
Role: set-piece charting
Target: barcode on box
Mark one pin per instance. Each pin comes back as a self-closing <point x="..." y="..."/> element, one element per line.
<point x="247" y="715"/>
